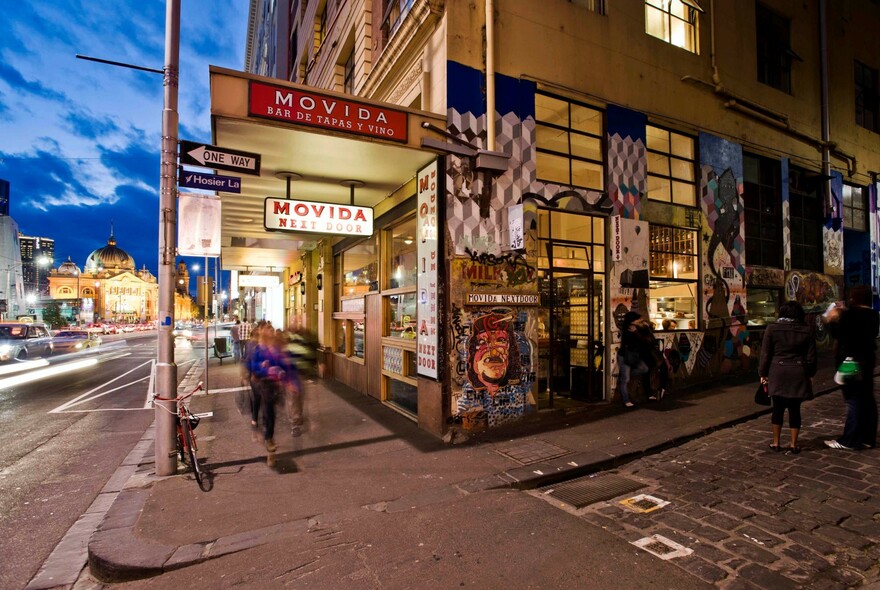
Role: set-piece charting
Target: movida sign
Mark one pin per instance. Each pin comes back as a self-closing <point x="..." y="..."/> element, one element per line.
<point x="329" y="112"/>
<point x="318" y="218"/>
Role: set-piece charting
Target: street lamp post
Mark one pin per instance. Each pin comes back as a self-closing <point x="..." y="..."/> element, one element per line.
<point x="166" y="369"/>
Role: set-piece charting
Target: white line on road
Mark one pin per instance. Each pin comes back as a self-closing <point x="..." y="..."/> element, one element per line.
<point x="228" y="389"/>
<point x="88" y="393"/>
<point x="94" y="397"/>
<point x="148" y="403"/>
<point x="102" y="410"/>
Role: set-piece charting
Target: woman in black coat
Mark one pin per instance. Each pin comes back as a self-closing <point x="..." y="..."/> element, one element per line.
<point x="856" y="330"/>
<point x="788" y="363"/>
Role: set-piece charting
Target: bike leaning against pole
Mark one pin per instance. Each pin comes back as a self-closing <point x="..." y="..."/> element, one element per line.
<point x="185" y="423"/>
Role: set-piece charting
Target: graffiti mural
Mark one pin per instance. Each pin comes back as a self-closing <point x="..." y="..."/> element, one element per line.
<point x="724" y="276"/>
<point x="629" y="275"/>
<point x="627" y="160"/>
<point x="498" y="372"/>
<point x="786" y="217"/>
<point x="814" y="291"/>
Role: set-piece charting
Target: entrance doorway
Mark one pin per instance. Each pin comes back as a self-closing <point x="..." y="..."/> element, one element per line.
<point x="571" y="345"/>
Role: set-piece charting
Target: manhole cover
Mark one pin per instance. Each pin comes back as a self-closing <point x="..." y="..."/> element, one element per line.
<point x="662" y="547"/>
<point x="591" y="489"/>
<point x="644" y="503"/>
<point x="532" y="451"/>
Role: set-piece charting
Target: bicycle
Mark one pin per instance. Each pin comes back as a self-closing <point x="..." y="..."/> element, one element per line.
<point x="185" y="422"/>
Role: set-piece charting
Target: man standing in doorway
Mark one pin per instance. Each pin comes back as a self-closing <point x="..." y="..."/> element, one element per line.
<point x="244" y="334"/>
<point x="235" y="334"/>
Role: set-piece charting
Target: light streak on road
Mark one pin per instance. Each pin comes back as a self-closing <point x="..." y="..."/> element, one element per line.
<point x="18" y="367"/>
<point x="47" y="372"/>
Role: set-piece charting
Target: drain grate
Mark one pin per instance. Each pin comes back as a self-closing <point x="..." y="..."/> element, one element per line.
<point x="662" y="547"/>
<point x="591" y="489"/>
<point x="531" y="451"/>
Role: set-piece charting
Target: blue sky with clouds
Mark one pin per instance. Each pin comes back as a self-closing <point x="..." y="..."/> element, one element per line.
<point x="79" y="140"/>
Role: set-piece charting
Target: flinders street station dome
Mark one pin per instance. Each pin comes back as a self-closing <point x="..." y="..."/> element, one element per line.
<point x="110" y="257"/>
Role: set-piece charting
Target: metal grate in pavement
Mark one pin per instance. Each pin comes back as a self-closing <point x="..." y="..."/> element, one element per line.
<point x="644" y="503"/>
<point x="662" y="547"/>
<point x="591" y="489"/>
<point x="532" y="451"/>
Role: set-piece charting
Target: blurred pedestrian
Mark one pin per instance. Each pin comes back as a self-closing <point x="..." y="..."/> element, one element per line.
<point x="855" y="328"/>
<point x="266" y="373"/>
<point x="291" y="384"/>
<point x="632" y="354"/>
<point x="235" y="334"/>
<point x="786" y="367"/>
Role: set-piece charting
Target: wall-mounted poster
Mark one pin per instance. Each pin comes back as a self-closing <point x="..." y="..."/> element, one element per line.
<point x="428" y="353"/>
<point x="198" y="225"/>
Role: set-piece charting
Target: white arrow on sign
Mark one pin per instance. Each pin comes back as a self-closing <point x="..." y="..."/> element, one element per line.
<point x="208" y="157"/>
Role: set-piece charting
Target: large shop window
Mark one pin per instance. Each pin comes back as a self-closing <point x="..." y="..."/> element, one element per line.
<point x="674" y="274"/>
<point x="762" y="197"/>
<point x="357" y="273"/>
<point x="671" y="167"/>
<point x="855" y="208"/>
<point x="763" y="305"/>
<point x="400" y="387"/>
<point x="674" y="21"/>
<point x="805" y="213"/>
<point x="569" y="142"/>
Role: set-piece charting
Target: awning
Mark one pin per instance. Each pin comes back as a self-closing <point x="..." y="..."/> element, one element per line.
<point x="321" y="159"/>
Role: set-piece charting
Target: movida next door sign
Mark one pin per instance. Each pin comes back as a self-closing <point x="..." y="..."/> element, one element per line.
<point x="329" y="112"/>
<point x="318" y="218"/>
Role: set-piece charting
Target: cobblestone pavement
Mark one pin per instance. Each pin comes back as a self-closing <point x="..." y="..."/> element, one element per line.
<point x="752" y="518"/>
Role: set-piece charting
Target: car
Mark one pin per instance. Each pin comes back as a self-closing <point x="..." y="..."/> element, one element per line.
<point x="126" y="328"/>
<point x="74" y="340"/>
<point x="22" y="341"/>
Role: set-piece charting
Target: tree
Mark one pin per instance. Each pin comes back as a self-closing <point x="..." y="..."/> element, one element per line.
<point x="52" y="315"/>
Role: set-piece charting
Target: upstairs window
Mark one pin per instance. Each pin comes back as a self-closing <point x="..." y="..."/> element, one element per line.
<point x="597" y="6"/>
<point x="671" y="167"/>
<point x="674" y="21"/>
<point x="855" y="208"/>
<point x="348" y="74"/>
<point x="867" y="98"/>
<point x="762" y="200"/>
<point x="774" y="51"/>
<point x="569" y="142"/>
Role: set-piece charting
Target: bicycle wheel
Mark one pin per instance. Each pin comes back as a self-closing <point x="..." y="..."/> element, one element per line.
<point x="181" y="447"/>
<point x="190" y="443"/>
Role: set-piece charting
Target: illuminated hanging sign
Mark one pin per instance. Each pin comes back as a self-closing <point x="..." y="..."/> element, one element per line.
<point x="317" y="218"/>
<point x="428" y="279"/>
<point x="328" y="112"/>
<point x="262" y="281"/>
<point x="503" y="299"/>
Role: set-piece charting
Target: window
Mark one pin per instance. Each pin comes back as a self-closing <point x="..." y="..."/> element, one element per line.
<point x="393" y="13"/>
<point x="321" y="27"/>
<point x="774" y="52"/>
<point x="673" y="21"/>
<point x="671" y="167"/>
<point x="348" y="74"/>
<point x="867" y="98"/>
<point x="597" y="6"/>
<point x="403" y="259"/>
<point x="674" y="273"/>
<point x="855" y="208"/>
<point x="360" y="268"/>
<point x="569" y="142"/>
<point x="763" y="305"/>
<point x="291" y="56"/>
<point x="805" y="214"/>
<point x="762" y="197"/>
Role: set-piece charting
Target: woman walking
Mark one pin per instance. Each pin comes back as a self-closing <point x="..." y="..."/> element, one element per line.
<point x="787" y="365"/>
<point x="631" y="357"/>
<point x="856" y="330"/>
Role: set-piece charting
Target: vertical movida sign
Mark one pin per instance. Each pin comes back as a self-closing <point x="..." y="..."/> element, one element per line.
<point x="428" y="353"/>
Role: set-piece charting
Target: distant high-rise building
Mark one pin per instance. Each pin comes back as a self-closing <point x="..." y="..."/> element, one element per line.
<point x="4" y="197"/>
<point x="37" y="256"/>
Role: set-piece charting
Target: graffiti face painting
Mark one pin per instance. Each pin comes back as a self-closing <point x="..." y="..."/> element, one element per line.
<point x="491" y="363"/>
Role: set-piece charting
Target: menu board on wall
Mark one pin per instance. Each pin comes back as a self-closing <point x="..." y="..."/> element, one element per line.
<point x="428" y="353"/>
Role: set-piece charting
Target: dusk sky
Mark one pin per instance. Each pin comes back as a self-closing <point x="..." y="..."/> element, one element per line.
<point x="79" y="140"/>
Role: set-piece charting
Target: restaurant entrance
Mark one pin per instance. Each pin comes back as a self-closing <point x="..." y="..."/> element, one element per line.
<point x="571" y="344"/>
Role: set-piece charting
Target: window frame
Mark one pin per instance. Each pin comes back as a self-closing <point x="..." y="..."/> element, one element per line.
<point x="796" y="174"/>
<point x="568" y="130"/>
<point x="867" y="96"/>
<point x="773" y="53"/>
<point x="670" y="157"/>
<point x="769" y="246"/>
<point x="691" y="23"/>
<point x="656" y="281"/>
<point x="848" y="210"/>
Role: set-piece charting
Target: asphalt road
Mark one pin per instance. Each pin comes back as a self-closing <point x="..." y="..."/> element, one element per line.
<point x="62" y="437"/>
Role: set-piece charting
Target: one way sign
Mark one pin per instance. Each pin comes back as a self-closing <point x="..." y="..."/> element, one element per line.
<point x="219" y="158"/>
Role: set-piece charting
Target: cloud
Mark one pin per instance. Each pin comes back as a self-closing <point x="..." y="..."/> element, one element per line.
<point x="134" y="162"/>
<point x="15" y="79"/>
<point x="83" y="123"/>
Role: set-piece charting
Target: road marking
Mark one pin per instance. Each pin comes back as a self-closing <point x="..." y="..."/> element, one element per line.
<point x="229" y="389"/>
<point x="148" y="403"/>
<point x="63" y="408"/>
<point x="91" y="391"/>
<point x="102" y="410"/>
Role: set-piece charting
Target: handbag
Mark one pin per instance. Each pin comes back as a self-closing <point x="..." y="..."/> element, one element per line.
<point x="762" y="398"/>
<point x="849" y="371"/>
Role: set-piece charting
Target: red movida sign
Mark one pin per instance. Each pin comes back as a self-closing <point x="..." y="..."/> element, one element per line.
<point x="329" y="112"/>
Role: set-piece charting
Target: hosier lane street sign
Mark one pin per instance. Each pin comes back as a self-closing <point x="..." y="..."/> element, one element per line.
<point x="219" y="158"/>
<point x="317" y="218"/>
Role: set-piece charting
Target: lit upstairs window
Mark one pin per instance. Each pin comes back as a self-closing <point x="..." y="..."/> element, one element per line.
<point x="674" y="21"/>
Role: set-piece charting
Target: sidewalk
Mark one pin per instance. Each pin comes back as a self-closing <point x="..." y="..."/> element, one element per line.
<point x="357" y="455"/>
